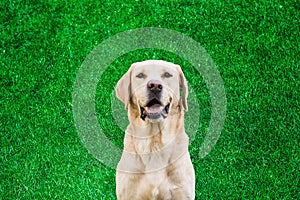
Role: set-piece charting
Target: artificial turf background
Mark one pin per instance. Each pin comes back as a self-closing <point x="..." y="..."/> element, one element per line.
<point x="254" y="45"/>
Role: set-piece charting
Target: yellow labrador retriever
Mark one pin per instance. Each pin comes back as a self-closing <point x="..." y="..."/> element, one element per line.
<point x="155" y="163"/>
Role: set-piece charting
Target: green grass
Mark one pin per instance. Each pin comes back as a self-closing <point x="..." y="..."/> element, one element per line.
<point x="254" y="45"/>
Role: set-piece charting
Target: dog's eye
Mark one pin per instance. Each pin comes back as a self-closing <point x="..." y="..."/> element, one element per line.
<point x="141" y="75"/>
<point x="167" y="75"/>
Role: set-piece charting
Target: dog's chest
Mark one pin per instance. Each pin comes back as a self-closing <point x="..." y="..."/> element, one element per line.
<point x="153" y="152"/>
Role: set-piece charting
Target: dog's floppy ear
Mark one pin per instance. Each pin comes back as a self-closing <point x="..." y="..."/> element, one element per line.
<point x="184" y="86"/>
<point x="123" y="88"/>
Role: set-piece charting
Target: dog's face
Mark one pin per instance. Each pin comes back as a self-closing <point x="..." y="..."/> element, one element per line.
<point x="153" y="87"/>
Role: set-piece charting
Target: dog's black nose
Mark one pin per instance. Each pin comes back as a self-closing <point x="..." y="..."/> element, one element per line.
<point x="154" y="86"/>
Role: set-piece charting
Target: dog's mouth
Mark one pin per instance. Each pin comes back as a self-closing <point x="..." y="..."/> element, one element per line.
<point x="154" y="110"/>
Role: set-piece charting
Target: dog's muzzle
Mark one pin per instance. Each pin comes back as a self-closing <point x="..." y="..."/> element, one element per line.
<point x="154" y="110"/>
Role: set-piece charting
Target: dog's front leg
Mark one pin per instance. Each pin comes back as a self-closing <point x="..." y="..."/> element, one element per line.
<point x="180" y="194"/>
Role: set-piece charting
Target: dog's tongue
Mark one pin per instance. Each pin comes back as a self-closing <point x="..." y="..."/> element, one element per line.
<point x="153" y="109"/>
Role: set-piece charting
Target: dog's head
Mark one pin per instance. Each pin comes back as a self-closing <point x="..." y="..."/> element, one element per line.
<point x="152" y="88"/>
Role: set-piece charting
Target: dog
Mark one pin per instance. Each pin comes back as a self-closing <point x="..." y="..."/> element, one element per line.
<point x="155" y="163"/>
